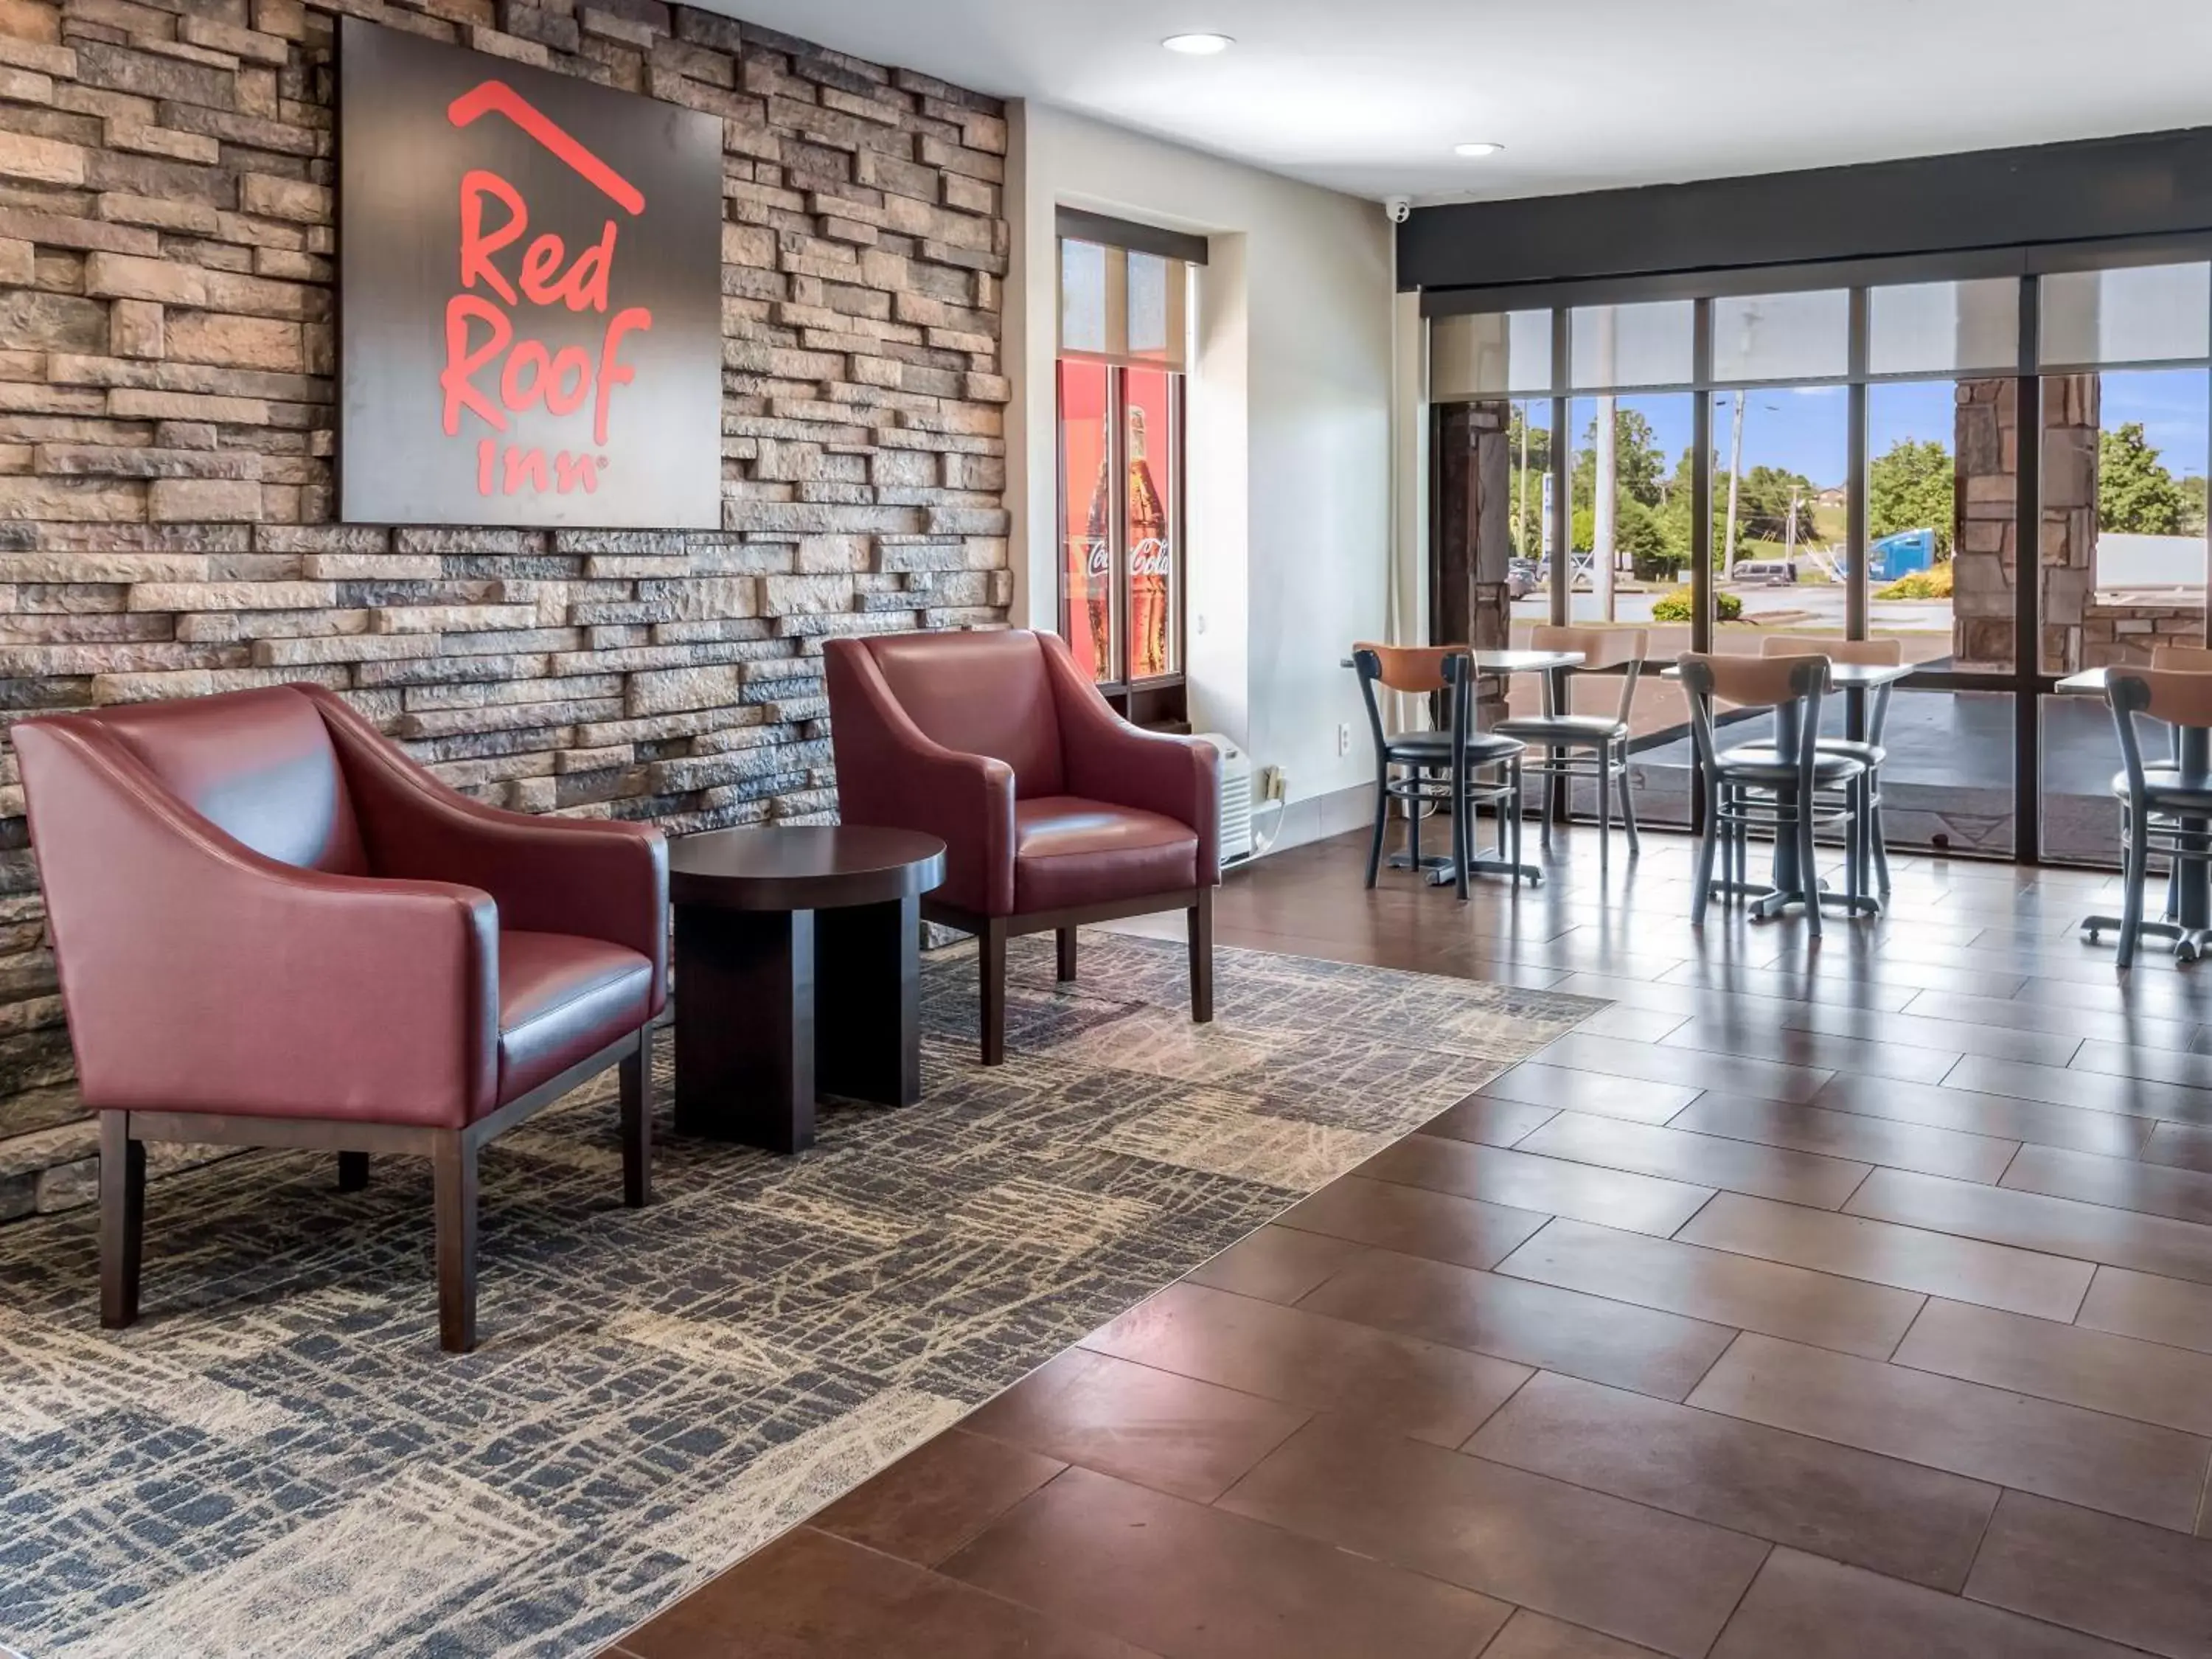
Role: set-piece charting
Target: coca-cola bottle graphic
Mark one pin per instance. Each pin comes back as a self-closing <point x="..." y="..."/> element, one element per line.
<point x="1095" y="580"/>
<point x="1151" y="561"/>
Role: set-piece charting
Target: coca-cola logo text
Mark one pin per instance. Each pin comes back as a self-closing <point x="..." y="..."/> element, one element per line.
<point x="1153" y="556"/>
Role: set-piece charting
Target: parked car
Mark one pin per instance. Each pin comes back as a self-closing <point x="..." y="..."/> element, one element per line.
<point x="1523" y="578"/>
<point x="1578" y="573"/>
<point x="1774" y="573"/>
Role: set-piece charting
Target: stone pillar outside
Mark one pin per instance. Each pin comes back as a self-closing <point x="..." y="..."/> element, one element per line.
<point x="1985" y="556"/>
<point x="1474" y="541"/>
<point x="2073" y="407"/>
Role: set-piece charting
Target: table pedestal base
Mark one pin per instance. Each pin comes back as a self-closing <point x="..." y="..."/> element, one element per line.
<point x="2190" y="944"/>
<point x="1768" y="901"/>
<point x="1443" y="872"/>
<point x="1433" y="866"/>
<point x="754" y="1046"/>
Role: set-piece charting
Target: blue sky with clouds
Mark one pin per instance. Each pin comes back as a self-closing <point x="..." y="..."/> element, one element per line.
<point x="1807" y="429"/>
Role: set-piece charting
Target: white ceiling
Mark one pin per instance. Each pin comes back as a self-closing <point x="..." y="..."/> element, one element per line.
<point x="1369" y="96"/>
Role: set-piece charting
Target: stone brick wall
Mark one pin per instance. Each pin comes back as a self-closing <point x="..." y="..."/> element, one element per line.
<point x="2118" y="630"/>
<point x="165" y="354"/>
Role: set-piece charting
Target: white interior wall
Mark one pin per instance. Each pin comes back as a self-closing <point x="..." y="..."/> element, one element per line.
<point x="1290" y="450"/>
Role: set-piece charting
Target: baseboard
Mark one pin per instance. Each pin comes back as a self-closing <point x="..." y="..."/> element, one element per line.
<point x="1316" y="818"/>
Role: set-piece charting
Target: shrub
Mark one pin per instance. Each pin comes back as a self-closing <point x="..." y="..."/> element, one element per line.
<point x="1933" y="583"/>
<point x="1676" y="606"/>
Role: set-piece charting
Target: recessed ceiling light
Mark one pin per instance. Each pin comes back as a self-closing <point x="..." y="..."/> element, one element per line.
<point x="1483" y="148"/>
<point x="1197" y="45"/>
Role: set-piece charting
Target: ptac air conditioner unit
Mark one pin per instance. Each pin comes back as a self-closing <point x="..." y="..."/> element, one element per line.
<point x="1235" y="798"/>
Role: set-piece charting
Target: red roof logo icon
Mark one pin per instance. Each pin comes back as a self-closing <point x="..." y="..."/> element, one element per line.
<point x="497" y="98"/>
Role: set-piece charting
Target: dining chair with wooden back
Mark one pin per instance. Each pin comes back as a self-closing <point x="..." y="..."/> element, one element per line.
<point x="1759" y="786"/>
<point x="1869" y="846"/>
<point x="1426" y="769"/>
<point x="1570" y="746"/>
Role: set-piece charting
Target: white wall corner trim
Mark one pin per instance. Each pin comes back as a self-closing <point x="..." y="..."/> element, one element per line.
<point x="1291" y="446"/>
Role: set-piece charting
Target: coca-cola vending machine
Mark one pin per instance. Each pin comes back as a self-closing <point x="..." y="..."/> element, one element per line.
<point x="1151" y="562"/>
<point x="1118" y="600"/>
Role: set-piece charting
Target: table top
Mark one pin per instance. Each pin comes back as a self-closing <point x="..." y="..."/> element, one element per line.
<point x="1524" y="662"/>
<point x="1847" y="676"/>
<point x="1515" y="662"/>
<point x="2089" y="683"/>
<point x="817" y="866"/>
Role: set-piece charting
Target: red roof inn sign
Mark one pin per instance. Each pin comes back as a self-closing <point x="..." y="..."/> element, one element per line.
<point x="529" y="296"/>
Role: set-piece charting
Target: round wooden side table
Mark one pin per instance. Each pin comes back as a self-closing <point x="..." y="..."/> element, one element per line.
<point x="798" y="973"/>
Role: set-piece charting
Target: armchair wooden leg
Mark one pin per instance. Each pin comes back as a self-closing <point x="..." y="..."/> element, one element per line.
<point x="637" y="1124"/>
<point x="353" y="1171"/>
<point x="1201" y="958"/>
<point x="122" y="1220"/>
<point x="453" y="1171"/>
<point x="1067" y="938"/>
<point x="991" y="950"/>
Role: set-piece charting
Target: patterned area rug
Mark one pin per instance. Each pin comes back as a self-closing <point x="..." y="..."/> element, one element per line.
<point x="277" y="1462"/>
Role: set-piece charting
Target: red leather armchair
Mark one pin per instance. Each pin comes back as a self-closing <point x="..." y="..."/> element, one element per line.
<point x="273" y="929"/>
<point x="1053" y="811"/>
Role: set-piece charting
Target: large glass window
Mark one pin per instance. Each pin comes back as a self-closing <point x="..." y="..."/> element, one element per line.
<point x="1780" y="480"/>
<point x="2134" y="315"/>
<point x="1942" y="564"/>
<point x="1123" y="345"/>
<point x="1629" y="535"/>
<point x="1489" y="353"/>
<point x="1629" y="473"/>
<point x="1638" y="345"/>
<point x="1782" y="337"/>
<point x="1862" y="460"/>
<point x="1936" y="328"/>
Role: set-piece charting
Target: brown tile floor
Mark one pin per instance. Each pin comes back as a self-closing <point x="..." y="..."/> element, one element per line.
<point x="1844" y="1300"/>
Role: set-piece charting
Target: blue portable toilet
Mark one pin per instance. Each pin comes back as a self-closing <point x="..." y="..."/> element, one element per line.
<point x="1901" y="554"/>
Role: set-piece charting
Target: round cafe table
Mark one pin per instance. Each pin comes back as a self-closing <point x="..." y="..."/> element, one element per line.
<point x="798" y="973"/>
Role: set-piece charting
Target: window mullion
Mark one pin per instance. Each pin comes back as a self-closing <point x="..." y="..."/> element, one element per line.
<point x="1117" y="513"/>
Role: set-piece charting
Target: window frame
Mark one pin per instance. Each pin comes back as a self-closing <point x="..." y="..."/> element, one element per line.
<point x="2027" y="680"/>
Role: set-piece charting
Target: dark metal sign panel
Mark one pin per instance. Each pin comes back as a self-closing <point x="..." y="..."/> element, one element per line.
<point x="529" y="296"/>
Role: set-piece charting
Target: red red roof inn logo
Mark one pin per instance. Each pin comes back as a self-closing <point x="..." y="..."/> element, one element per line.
<point x="530" y="283"/>
<point x="495" y="216"/>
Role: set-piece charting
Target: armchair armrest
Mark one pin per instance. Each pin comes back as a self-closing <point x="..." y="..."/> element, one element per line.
<point x="891" y="773"/>
<point x="1106" y="758"/>
<point x="599" y="880"/>
<point x="199" y="975"/>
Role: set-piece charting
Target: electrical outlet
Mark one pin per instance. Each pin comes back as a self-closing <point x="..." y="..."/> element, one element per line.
<point x="1344" y="737"/>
